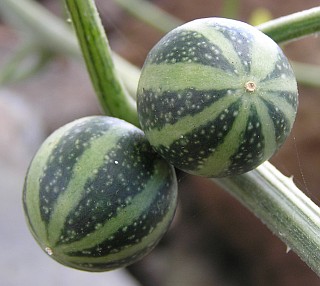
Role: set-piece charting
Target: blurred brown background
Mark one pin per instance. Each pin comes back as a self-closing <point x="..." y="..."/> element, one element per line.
<point x="214" y="240"/>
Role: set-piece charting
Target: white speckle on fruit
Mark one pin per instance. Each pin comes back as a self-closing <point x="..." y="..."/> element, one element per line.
<point x="46" y="210"/>
<point x="116" y="162"/>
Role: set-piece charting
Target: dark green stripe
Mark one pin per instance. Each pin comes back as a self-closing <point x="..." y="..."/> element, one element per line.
<point x="140" y="228"/>
<point x="241" y="41"/>
<point x="281" y="68"/>
<point x="114" y="264"/>
<point x="186" y="46"/>
<point x="116" y="182"/>
<point x="251" y="149"/>
<point x="174" y="105"/>
<point x="186" y="150"/>
<point x="59" y="168"/>
<point x="290" y="97"/>
<point x="282" y="125"/>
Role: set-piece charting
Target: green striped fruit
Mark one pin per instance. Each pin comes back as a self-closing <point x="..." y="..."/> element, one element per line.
<point x="216" y="97"/>
<point x="96" y="196"/>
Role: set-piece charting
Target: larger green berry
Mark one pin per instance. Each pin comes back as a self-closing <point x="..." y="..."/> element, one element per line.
<point x="96" y="196"/>
<point x="216" y="97"/>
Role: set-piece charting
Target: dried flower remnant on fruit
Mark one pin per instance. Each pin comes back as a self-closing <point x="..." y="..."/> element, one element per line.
<point x="48" y="250"/>
<point x="250" y="86"/>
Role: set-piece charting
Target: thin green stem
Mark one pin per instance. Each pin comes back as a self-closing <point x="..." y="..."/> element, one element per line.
<point x="51" y="33"/>
<point x="25" y="62"/>
<point x="40" y="25"/>
<point x="150" y="14"/>
<point x="288" y="213"/>
<point x="161" y="20"/>
<point x="93" y="41"/>
<point x="293" y="27"/>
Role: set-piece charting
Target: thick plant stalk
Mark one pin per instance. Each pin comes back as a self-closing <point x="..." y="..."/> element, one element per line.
<point x="287" y="211"/>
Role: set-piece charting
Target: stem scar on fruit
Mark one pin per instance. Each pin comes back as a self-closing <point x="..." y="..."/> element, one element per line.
<point x="250" y="86"/>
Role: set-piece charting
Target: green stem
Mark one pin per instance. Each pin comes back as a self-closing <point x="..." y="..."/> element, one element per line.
<point x="293" y="27"/>
<point x="288" y="213"/>
<point x="112" y="95"/>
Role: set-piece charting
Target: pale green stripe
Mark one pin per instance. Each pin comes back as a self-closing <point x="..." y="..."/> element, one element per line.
<point x="146" y="242"/>
<point x="88" y="163"/>
<point x="267" y="128"/>
<point x="219" y="160"/>
<point x="180" y="76"/>
<point x="186" y="124"/>
<point x="219" y="39"/>
<point x="264" y="56"/>
<point x="33" y="178"/>
<point x="287" y="84"/>
<point x="139" y="204"/>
